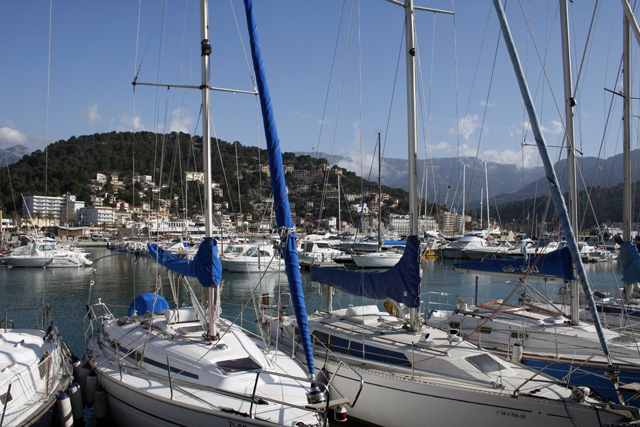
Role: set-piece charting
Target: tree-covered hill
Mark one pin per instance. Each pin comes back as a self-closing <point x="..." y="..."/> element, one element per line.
<point x="599" y="206"/>
<point x="72" y="165"/>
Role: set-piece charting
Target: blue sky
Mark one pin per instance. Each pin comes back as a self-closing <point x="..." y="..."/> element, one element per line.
<point x="470" y="101"/>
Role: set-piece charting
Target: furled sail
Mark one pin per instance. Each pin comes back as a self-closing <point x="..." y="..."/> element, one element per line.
<point x="280" y="197"/>
<point x="401" y="282"/>
<point x="205" y="265"/>
<point x="630" y="263"/>
<point x="555" y="266"/>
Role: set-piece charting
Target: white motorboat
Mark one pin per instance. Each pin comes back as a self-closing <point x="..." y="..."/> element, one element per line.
<point x="34" y="367"/>
<point x="318" y="251"/>
<point x="386" y="258"/>
<point x="256" y="259"/>
<point x="42" y="252"/>
<point x="455" y="249"/>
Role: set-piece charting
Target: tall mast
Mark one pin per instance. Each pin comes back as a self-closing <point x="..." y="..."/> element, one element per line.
<point x="464" y="190"/>
<point x="486" y="186"/>
<point x="379" y="193"/>
<point x="481" y="207"/>
<point x="206" y="137"/>
<point x="339" y="219"/>
<point x="206" y="146"/>
<point x="626" y="168"/>
<point x="569" y="103"/>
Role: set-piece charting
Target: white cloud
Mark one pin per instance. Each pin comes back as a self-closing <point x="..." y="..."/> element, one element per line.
<point x="467" y="126"/>
<point x="91" y="115"/>
<point x="440" y="146"/>
<point x="487" y="104"/>
<point x="12" y="137"/>
<point x="555" y="129"/>
<point x="181" y="121"/>
<point x="128" y="123"/>
<point x="528" y="158"/>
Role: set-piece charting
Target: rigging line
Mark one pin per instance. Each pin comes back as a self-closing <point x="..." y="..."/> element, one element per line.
<point x="484" y="117"/>
<point x="393" y="89"/>
<point x="349" y="37"/>
<point x="139" y="68"/>
<point x="326" y="99"/>
<point x="544" y="69"/>
<point x="224" y="172"/>
<point x="341" y="85"/>
<point x="426" y="108"/>
<point x="6" y="162"/>
<point x="333" y="60"/>
<point x="46" y="141"/>
<point x="235" y="143"/>
<point x="244" y="50"/>
<point x="473" y="82"/>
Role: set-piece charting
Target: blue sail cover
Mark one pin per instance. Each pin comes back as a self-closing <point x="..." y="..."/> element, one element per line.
<point x="279" y="185"/>
<point x="555" y="266"/>
<point x="150" y="302"/>
<point x="205" y="265"/>
<point x="630" y="263"/>
<point x="401" y="282"/>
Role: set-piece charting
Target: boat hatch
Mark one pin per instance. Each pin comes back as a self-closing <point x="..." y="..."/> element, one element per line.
<point x="244" y="364"/>
<point x="485" y="363"/>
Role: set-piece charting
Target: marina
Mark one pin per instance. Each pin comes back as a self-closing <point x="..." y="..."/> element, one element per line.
<point x="118" y="279"/>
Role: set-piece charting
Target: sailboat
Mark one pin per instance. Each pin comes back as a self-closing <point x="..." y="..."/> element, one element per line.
<point x="188" y="366"/>
<point x="546" y="335"/>
<point x="415" y="373"/>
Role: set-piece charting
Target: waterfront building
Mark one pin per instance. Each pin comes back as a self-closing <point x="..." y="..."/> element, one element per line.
<point x="57" y="209"/>
<point x="97" y="216"/>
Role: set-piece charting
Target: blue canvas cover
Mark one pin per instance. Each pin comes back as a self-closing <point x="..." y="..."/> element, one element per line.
<point x="148" y="303"/>
<point x="555" y="266"/>
<point x="279" y="185"/>
<point x="400" y="283"/>
<point x="630" y="263"/>
<point x="205" y="265"/>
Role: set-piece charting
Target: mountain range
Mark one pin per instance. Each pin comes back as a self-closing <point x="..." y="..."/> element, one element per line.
<point x="13" y="154"/>
<point x="507" y="182"/>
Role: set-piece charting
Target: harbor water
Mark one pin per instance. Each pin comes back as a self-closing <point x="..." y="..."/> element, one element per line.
<point x="117" y="278"/>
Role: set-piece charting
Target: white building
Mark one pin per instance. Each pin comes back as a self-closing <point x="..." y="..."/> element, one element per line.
<point x="400" y="224"/>
<point x="59" y="209"/>
<point x="97" y="216"/>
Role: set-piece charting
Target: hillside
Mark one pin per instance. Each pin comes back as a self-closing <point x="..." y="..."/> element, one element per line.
<point x="73" y="165"/>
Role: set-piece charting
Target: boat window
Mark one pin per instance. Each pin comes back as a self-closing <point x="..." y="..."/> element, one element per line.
<point x="239" y="365"/>
<point x="323" y="245"/>
<point x="355" y="349"/>
<point x="485" y="363"/>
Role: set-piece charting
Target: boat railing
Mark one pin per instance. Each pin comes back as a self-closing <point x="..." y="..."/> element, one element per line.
<point x="255" y="398"/>
<point x="39" y="380"/>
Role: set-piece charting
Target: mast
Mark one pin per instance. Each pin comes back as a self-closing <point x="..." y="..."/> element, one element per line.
<point x="481" y="207"/>
<point x="486" y="186"/>
<point x="339" y="219"/>
<point x="412" y="130"/>
<point x="464" y="190"/>
<point x="379" y="193"/>
<point x="626" y="165"/>
<point x="569" y="103"/>
<point x="214" y="291"/>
